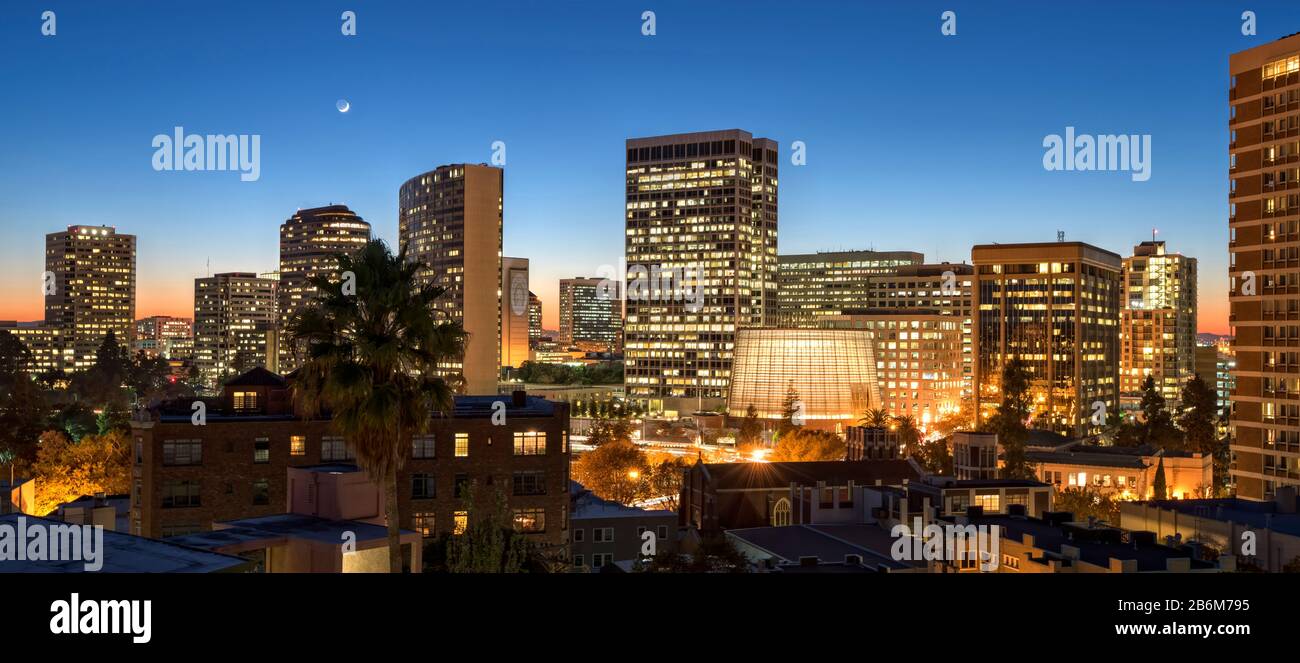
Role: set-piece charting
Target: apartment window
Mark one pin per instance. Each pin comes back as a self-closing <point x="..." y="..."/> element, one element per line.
<point x="422" y="446"/>
<point x="422" y="522"/>
<point x="958" y="503"/>
<point x="577" y="535"/>
<point x="261" y="450"/>
<point x="422" y="487"/>
<point x="461" y="486"/>
<point x="530" y="443"/>
<point x="601" y="559"/>
<point x="602" y="534"/>
<point x="530" y="483"/>
<point x="461" y="519"/>
<point x="578" y="561"/>
<point x="662" y="531"/>
<point x="462" y="445"/>
<point x="297" y="445"/>
<point x="245" y="400"/>
<point x="180" y="494"/>
<point x="992" y="503"/>
<point x="530" y="520"/>
<point x="261" y="492"/>
<point x="334" y="447"/>
<point x="182" y="452"/>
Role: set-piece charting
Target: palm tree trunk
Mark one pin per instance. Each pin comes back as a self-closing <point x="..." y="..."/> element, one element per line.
<point x="390" y="513"/>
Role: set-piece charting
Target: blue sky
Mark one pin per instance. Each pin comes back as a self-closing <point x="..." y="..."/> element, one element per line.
<point x="914" y="140"/>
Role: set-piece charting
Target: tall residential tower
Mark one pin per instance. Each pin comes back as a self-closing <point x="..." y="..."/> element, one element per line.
<point x="310" y="242"/>
<point x="1157" y="323"/>
<point x="1264" y="266"/>
<point x="450" y="219"/>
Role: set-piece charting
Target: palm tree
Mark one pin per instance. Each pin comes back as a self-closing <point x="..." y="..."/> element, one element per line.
<point x="908" y="433"/>
<point x="370" y="359"/>
<point x="876" y="418"/>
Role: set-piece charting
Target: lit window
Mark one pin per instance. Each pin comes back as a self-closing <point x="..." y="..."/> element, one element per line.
<point x="261" y="450"/>
<point x="462" y="445"/>
<point x="422" y="522"/>
<point x="297" y="445"/>
<point x="530" y="443"/>
<point x="245" y="400"/>
<point x="530" y="520"/>
<point x="462" y="521"/>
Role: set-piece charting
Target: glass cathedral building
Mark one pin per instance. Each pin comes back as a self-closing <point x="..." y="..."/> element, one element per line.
<point x="833" y="371"/>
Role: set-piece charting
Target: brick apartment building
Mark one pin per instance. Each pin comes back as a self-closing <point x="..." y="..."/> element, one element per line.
<point x="186" y="477"/>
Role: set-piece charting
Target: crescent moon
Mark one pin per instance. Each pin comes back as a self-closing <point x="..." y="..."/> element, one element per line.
<point x="343" y="105"/>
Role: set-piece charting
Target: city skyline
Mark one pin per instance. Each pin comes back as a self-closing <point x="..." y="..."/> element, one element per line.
<point x="563" y="195"/>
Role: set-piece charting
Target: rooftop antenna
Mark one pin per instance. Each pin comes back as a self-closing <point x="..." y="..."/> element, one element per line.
<point x="1153" y="234"/>
<point x="1060" y="235"/>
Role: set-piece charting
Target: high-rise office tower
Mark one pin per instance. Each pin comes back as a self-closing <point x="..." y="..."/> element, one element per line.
<point x="1157" y="323"/>
<point x="534" y="318"/>
<point x="235" y="324"/>
<point x="825" y="284"/>
<point x="1264" y="299"/>
<point x="1055" y="307"/>
<point x="514" y="312"/>
<point x="702" y="218"/>
<point x="164" y="336"/>
<point x="591" y="314"/>
<point x="945" y="288"/>
<point x="919" y="359"/>
<point x="450" y="219"/>
<point x="90" y="288"/>
<point x="310" y="242"/>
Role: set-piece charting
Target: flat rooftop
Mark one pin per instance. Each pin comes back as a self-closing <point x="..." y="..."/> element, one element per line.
<point x="1245" y="512"/>
<point x="828" y="543"/>
<point x="282" y="527"/>
<point x="127" y="553"/>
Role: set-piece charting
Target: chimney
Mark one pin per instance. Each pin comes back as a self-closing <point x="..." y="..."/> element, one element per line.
<point x="519" y="398"/>
<point x="1285" y="497"/>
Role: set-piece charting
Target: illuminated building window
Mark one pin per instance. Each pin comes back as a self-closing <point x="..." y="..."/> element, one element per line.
<point x="462" y="445"/>
<point x="991" y="503"/>
<point x="461" y="518"/>
<point x="423" y="522"/>
<point x="261" y="450"/>
<point x="530" y="443"/>
<point x="530" y="520"/>
<point x="245" y="400"/>
<point x="297" y="445"/>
